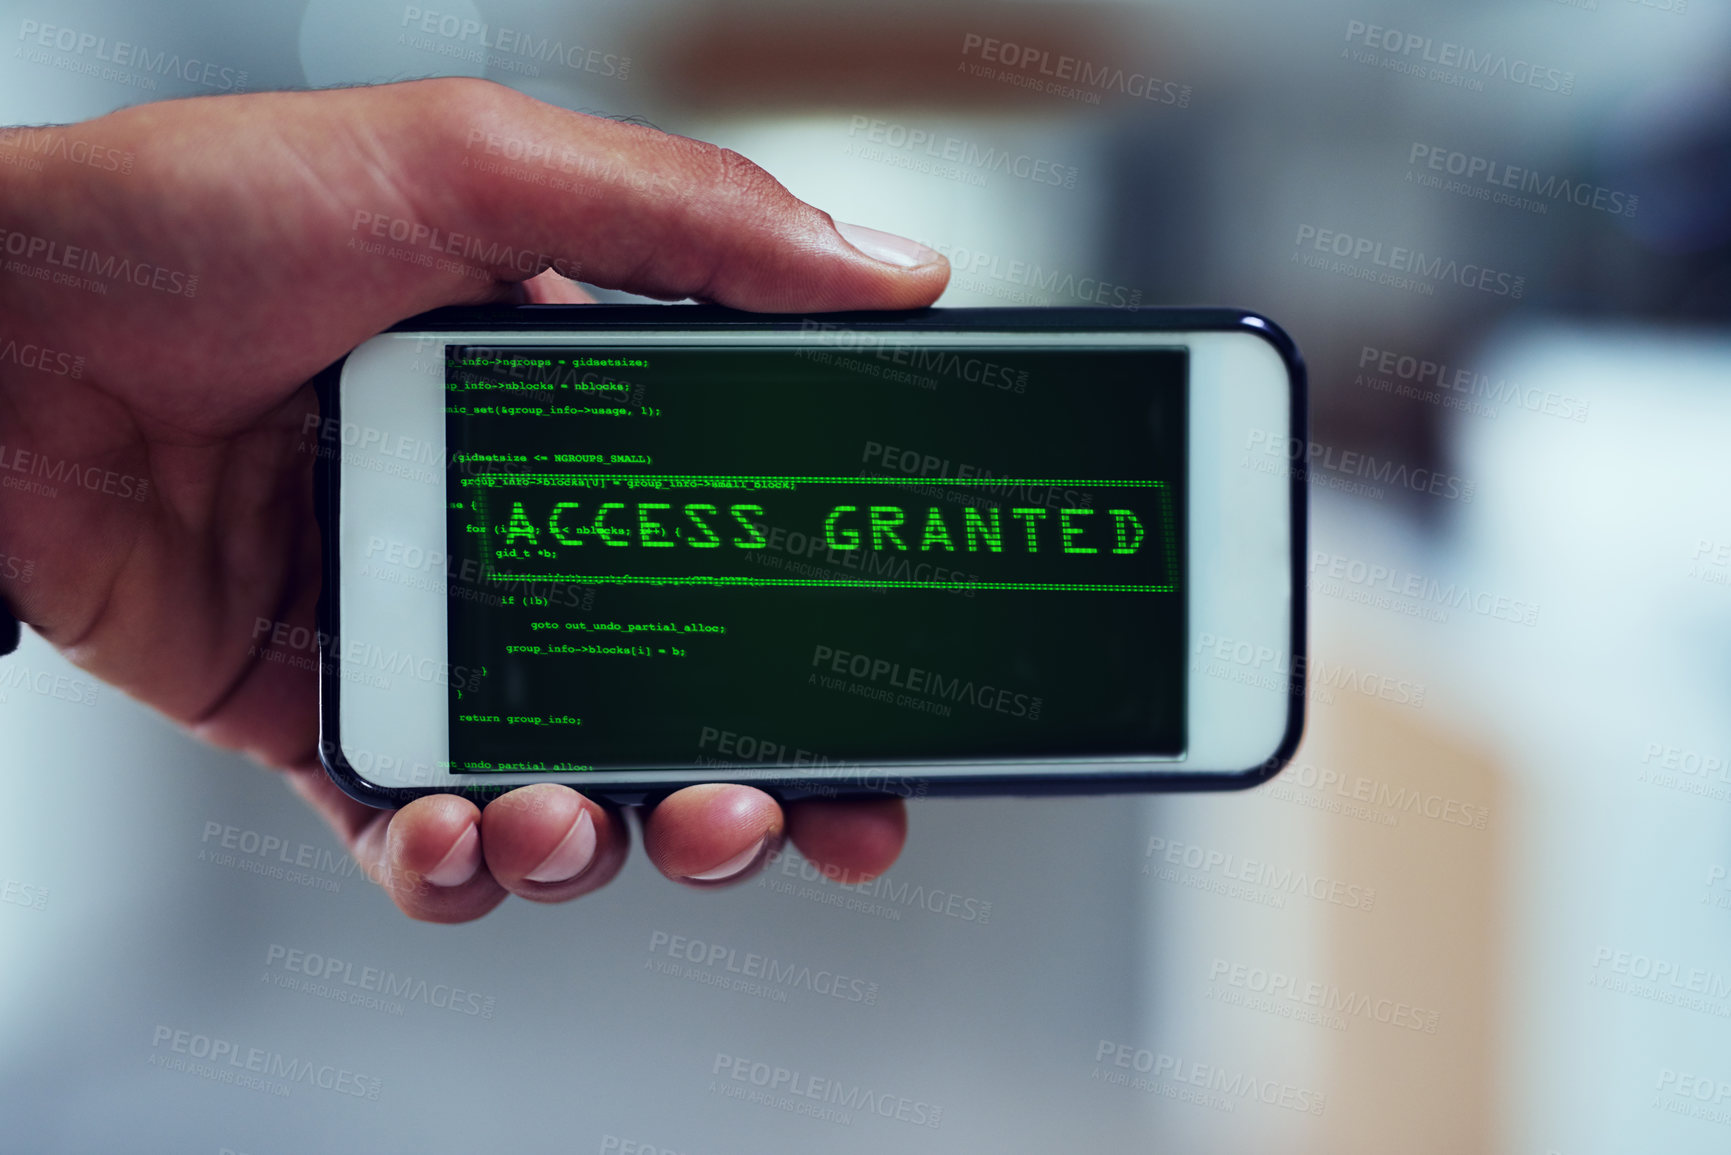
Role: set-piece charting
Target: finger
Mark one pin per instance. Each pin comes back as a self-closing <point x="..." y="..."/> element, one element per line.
<point x="351" y="821"/>
<point x="662" y="215"/>
<point x="424" y="855"/>
<point x="363" y="830"/>
<point x="549" y="288"/>
<point x="548" y="843"/>
<point x="432" y="864"/>
<point x="851" y="842"/>
<point x="629" y="207"/>
<point x="379" y="203"/>
<point x="712" y="835"/>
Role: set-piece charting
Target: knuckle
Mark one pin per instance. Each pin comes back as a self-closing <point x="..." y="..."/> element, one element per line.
<point x="465" y="102"/>
<point x="463" y="92"/>
<point x="733" y="175"/>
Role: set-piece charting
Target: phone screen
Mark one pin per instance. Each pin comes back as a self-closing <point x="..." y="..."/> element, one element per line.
<point x="809" y="556"/>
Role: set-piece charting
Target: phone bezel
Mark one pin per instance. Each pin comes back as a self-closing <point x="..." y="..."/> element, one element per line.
<point x="521" y="320"/>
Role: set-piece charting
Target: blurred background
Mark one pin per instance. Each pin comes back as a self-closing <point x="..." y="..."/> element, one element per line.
<point x="1522" y="940"/>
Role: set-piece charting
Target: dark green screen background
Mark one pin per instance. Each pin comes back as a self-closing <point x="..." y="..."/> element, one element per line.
<point x="822" y="672"/>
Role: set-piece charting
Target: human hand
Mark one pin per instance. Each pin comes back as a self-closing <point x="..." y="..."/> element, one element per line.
<point x="173" y="275"/>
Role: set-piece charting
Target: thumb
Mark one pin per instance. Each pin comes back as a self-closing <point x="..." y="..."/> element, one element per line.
<point x="365" y="206"/>
<point x="629" y="207"/>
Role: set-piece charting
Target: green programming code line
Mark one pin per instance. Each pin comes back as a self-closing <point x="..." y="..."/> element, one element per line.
<point x="839" y="583"/>
<point x="494" y="480"/>
<point x="1166" y="526"/>
<point x="531" y="480"/>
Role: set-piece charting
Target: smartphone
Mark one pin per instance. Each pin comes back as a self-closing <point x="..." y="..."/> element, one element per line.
<point x="951" y="551"/>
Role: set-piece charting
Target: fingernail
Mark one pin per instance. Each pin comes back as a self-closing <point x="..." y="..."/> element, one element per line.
<point x="460" y="862"/>
<point x="732" y="866"/>
<point x="571" y="857"/>
<point x="887" y="247"/>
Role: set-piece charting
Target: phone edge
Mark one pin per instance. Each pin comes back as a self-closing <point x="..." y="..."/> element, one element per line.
<point x="327" y="491"/>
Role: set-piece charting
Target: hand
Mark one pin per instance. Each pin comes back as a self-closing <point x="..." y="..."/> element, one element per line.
<point x="170" y="277"/>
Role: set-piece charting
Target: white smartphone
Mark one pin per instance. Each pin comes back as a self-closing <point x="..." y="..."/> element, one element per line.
<point x="633" y="548"/>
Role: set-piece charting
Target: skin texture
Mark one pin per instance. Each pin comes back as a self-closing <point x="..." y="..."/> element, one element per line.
<point x="182" y="405"/>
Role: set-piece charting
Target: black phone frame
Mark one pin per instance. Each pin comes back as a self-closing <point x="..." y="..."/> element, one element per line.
<point x="714" y="318"/>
